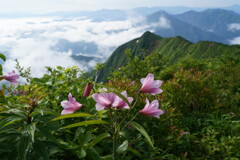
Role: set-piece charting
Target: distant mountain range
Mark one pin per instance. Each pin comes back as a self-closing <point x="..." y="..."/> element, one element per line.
<point x="216" y="21"/>
<point x="208" y="25"/>
<point x="180" y="27"/>
<point x="172" y="48"/>
<point x="118" y="14"/>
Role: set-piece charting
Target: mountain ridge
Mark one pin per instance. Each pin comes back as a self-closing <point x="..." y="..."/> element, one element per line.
<point x="173" y="48"/>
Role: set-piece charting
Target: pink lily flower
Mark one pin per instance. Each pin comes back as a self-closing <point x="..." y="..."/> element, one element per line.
<point x="151" y="86"/>
<point x="104" y="100"/>
<point x="151" y="109"/>
<point x="120" y="104"/>
<point x="184" y="133"/>
<point x="12" y="77"/>
<point x="70" y="106"/>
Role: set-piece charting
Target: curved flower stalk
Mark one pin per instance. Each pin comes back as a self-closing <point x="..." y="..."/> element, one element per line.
<point x="149" y="85"/>
<point x="121" y="104"/>
<point x="104" y="100"/>
<point x="151" y="109"/>
<point x="12" y="77"/>
<point x="70" y="106"/>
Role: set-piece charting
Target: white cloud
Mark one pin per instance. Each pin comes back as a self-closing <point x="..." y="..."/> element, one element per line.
<point x="236" y="40"/>
<point x="37" y="55"/>
<point x="162" y="23"/>
<point x="234" y="26"/>
<point x="33" y="40"/>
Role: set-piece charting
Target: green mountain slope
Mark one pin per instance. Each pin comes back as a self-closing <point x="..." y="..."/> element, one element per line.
<point x="171" y="48"/>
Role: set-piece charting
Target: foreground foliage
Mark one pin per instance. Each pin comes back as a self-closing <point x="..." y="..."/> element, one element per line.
<point x="200" y="99"/>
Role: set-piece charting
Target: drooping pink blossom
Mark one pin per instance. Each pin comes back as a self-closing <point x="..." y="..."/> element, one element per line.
<point x="87" y="89"/>
<point x="71" y="105"/>
<point x="149" y="85"/>
<point x="184" y="133"/>
<point x="151" y="109"/>
<point x="12" y="77"/>
<point x="104" y="100"/>
<point x="120" y="104"/>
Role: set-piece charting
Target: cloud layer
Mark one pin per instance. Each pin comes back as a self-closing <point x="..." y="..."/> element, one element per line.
<point x="234" y="27"/>
<point x="50" y="41"/>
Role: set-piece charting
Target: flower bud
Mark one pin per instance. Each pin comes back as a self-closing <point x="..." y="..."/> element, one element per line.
<point x="87" y="89"/>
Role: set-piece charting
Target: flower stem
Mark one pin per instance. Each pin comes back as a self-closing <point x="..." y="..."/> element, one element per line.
<point x="114" y="132"/>
<point x="129" y="111"/>
<point x="130" y="121"/>
<point x="114" y="145"/>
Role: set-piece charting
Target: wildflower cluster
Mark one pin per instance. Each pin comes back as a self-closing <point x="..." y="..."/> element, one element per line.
<point x="106" y="100"/>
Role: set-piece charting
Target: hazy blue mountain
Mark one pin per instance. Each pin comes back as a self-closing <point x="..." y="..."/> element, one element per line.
<point x="82" y="47"/>
<point x="85" y="58"/>
<point x="116" y="14"/>
<point x="17" y="15"/>
<point x="235" y="8"/>
<point x="171" y="10"/>
<point x="167" y="25"/>
<point x="216" y="21"/>
<point x="98" y="15"/>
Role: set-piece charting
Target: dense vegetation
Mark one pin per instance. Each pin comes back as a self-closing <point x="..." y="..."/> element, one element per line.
<point x="200" y="100"/>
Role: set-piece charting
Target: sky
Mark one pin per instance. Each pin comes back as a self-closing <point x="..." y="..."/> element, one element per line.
<point x="47" y="6"/>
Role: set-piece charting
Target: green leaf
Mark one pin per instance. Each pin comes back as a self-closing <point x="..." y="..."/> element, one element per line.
<point x="31" y="128"/>
<point x="13" y="155"/>
<point x="15" y="112"/>
<point x="40" y="97"/>
<point x="2" y="57"/>
<point x="46" y="133"/>
<point x="10" y="120"/>
<point x="98" y="139"/>
<point x="100" y="113"/>
<point x="143" y="132"/>
<point x="73" y="116"/>
<point x="1" y="72"/>
<point x="5" y="147"/>
<point x="40" y="149"/>
<point x="92" y="154"/>
<point x="108" y="157"/>
<point x="42" y="112"/>
<point x="87" y="137"/>
<point x="9" y="136"/>
<point x="22" y="147"/>
<point x="36" y="91"/>
<point x="84" y="123"/>
<point x="123" y="147"/>
<point x="135" y="152"/>
<point x="82" y="153"/>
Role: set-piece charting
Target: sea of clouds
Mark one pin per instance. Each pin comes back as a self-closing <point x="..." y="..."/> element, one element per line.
<point x="51" y="41"/>
<point x="234" y="27"/>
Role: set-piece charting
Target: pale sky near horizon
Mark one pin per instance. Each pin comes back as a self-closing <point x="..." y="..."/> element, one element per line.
<point x="47" y="6"/>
